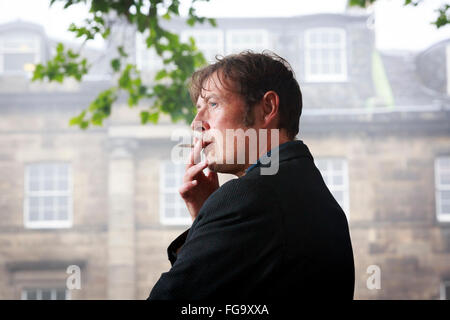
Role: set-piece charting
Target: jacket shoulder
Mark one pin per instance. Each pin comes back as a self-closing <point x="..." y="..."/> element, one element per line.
<point x="240" y="197"/>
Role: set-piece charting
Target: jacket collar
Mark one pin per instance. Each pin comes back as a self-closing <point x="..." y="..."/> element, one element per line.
<point x="286" y="151"/>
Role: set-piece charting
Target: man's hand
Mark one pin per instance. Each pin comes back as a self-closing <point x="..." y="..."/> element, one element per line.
<point x="197" y="186"/>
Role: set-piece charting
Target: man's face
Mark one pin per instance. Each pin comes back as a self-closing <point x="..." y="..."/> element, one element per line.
<point x="219" y="109"/>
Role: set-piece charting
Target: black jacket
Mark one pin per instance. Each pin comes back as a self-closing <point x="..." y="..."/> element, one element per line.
<point x="269" y="237"/>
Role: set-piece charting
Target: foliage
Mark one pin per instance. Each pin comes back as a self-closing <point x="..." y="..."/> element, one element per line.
<point x="442" y="19"/>
<point x="168" y="94"/>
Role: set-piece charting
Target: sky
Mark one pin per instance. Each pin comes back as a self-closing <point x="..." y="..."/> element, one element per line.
<point x="396" y="27"/>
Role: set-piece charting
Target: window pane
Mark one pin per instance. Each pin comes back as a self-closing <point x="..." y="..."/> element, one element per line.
<point x="46" y="294"/>
<point x="34" y="185"/>
<point x="48" y="214"/>
<point x="62" y="185"/>
<point x="183" y="212"/>
<point x="34" y="214"/>
<point x="17" y="61"/>
<point x="338" y="180"/>
<point x="63" y="214"/>
<point x="33" y="171"/>
<point x="329" y="58"/>
<point x="444" y="162"/>
<point x="49" y="185"/>
<point x="62" y="201"/>
<point x="33" y="202"/>
<point x="445" y="179"/>
<point x="169" y="198"/>
<point x="445" y="195"/>
<point x="48" y="171"/>
<point x="445" y="209"/>
<point x="30" y="295"/>
<point x="48" y="202"/>
<point x="62" y="171"/>
<point x="61" y="294"/>
<point x="339" y="196"/>
<point x="337" y="165"/>
<point x="170" y="182"/>
<point x="321" y="165"/>
<point x="170" y="213"/>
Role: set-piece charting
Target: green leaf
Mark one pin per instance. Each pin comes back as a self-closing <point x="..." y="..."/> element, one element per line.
<point x="161" y="74"/>
<point x="115" y="64"/>
<point x="122" y="52"/>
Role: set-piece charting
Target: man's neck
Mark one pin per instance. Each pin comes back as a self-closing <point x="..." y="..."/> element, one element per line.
<point x="263" y="151"/>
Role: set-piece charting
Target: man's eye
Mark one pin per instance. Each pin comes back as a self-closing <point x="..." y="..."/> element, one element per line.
<point x="213" y="104"/>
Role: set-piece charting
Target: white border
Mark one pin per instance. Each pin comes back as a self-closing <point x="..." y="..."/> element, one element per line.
<point x="24" y="293"/>
<point x="441" y="217"/>
<point x="230" y="47"/>
<point x="36" y="51"/>
<point x="345" y="181"/>
<point x="162" y="190"/>
<point x="54" y="224"/>
<point x="442" y="286"/>
<point x="342" y="77"/>
<point x="219" y="46"/>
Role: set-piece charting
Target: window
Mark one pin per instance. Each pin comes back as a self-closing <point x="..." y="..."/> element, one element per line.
<point x="146" y="59"/>
<point x="335" y="174"/>
<point x="173" y="210"/>
<point x="45" y="294"/>
<point x="18" y="53"/>
<point x="48" y="195"/>
<point x="240" y="40"/>
<point x="325" y="55"/>
<point x="445" y="290"/>
<point x="447" y="55"/>
<point x="209" y="42"/>
<point x="442" y="182"/>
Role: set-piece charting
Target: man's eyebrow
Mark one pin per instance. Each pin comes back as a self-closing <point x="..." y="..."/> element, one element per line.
<point x="212" y="95"/>
<point x="206" y="98"/>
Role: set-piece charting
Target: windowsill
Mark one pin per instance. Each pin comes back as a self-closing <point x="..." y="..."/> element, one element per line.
<point x="443" y="221"/>
<point x="49" y="225"/>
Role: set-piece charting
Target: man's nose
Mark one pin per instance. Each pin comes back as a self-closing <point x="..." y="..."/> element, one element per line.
<point x="199" y="124"/>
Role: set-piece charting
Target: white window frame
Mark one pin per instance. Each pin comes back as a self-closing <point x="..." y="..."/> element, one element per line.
<point x="156" y="60"/>
<point x="218" y="47"/>
<point x="48" y="224"/>
<point x="441" y="217"/>
<point x="179" y="205"/>
<point x="447" y="56"/>
<point x="230" y="47"/>
<point x="24" y="293"/>
<point x="345" y="181"/>
<point x="442" y="290"/>
<point x="36" y="50"/>
<point x="322" y="77"/>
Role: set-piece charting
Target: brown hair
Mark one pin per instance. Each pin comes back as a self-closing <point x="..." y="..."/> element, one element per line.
<point x="251" y="75"/>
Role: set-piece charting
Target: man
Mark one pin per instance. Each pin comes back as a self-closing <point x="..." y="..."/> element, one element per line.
<point x="261" y="236"/>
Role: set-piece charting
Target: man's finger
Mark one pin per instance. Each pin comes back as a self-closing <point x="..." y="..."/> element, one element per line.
<point x="186" y="187"/>
<point x="195" y="157"/>
<point x="212" y="176"/>
<point x="194" y="171"/>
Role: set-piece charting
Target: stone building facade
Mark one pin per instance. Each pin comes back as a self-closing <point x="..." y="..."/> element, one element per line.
<point x="104" y="200"/>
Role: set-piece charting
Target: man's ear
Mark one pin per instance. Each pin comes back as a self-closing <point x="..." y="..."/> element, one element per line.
<point x="270" y="104"/>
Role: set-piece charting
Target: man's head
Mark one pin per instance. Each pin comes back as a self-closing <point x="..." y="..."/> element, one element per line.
<point x="243" y="91"/>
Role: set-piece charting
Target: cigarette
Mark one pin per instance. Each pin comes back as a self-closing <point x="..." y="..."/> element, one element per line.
<point x="186" y="145"/>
